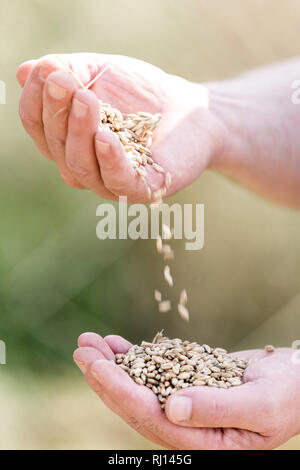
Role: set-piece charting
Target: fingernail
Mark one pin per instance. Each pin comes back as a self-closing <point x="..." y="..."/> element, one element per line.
<point x="79" y="109"/>
<point x="180" y="409"/>
<point x="102" y="147"/>
<point x="56" y="91"/>
<point x="82" y="366"/>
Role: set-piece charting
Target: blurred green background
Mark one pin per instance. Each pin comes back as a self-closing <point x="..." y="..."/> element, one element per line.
<point x="57" y="280"/>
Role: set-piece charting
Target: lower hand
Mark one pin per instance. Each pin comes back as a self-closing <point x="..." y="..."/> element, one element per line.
<point x="263" y="413"/>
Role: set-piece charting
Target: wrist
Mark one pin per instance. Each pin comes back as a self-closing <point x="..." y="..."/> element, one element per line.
<point x="225" y="106"/>
<point x="206" y="113"/>
<point x="217" y="114"/>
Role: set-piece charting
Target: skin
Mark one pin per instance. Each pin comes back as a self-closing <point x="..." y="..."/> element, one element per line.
<point x="263" y="413"/>
<point x="248" y="129"/>
<point x="93" y="159"/>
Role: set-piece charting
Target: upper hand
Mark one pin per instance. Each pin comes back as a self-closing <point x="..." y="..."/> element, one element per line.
<point x="262" y="413"/>
<point x="62" y="118"/>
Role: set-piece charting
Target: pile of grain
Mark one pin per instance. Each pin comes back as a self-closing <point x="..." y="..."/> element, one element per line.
<point x="135" y="133"/>
<point x="168" y="365"/>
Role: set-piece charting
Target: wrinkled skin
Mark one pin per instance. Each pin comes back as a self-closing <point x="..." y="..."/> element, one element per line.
<point x="263" y="413"/>
<point x="185" y="141"/>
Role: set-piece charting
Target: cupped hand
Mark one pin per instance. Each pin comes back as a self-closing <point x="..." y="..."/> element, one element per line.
<point x="263" y="413"/>
<point x="62" y="118"/>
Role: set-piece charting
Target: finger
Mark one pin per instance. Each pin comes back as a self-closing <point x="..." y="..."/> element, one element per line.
<point x="118" y="344"/>
<point x="24" y="70"/>
<point x="208" y="439"/>
<point x="81" y="159"/>
<point x="117" y="171"/>
<point x="143" y="406"/>
<point x="31" y="101"/>
<point x="57" y="97"/>
<point x="239" y="407"/>
<point x="84" y="358"/>
<point x="96" y="341"/>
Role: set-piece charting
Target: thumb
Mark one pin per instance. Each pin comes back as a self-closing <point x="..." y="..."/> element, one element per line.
<point x="116" y="169"/>
<point x="245" y="407"/>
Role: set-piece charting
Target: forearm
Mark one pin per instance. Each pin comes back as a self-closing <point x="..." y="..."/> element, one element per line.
<point x="262" y="131"/>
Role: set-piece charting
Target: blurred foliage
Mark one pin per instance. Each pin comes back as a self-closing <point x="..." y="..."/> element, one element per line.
<point x="56" y="279"/>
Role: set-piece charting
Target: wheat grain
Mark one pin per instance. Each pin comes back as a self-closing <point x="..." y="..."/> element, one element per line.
<point x="183" y="312"/>
<point x="167" y="252"/>
<point x="164" y="306"/>
<point x="134" y="131"/>
<point x="167" y="276"/>
<point x="166" y="232"/>
<point x="183" y="298"/>
<point x="159" y="245"/>
<point x="157" y="296"/>
<point x="166" y="365"/>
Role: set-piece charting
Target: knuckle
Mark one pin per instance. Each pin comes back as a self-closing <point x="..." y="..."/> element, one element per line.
<point x="43" y="149"/>
<point x="152" y="427"/>
<point x="218" y="411"/>
<point x="134" y="423"/>
<point x="270" y="415"/>
<point x="56" y="143"/>
<point x="236" y="440"/>
<point x="77" y="130"/>
<point x="76" y="168"/>
<point x="48" y="60"/>
<point x="31" y="125"/>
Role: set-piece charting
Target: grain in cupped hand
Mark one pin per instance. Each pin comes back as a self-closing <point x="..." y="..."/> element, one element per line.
<point x="168" y="365"/>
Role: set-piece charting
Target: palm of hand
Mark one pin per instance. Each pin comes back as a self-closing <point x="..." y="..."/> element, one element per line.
<point x="255" y="415"/>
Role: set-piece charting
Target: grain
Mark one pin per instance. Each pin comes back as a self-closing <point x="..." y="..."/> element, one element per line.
<point x="167" y="252"/>
<point x="157" y="296"/>
<point x="167" y="276"/>
<point x="159" y="244"/>
<point x="164" y="306"/>
<point x="168" y="180"/>
<point x="134" y="131"/>
<point x="183" y="312"/>
<point x="183" y="297"/>
<point x="173" y="364"/>
<point x="269" y="348"/>
<point x="166" y="232"/>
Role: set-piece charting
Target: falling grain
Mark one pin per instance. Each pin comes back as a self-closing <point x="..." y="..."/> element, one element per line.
<point x="183" y="298"/>
<point x="167" y="276"/>
<point x="157" y="296"/>
<point x="164" y="306"/>
<point x="183" y="312"/>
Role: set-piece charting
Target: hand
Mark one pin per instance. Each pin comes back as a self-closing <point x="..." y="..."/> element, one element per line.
<point x="263" y="413"/>
<point x="62" y="119"/>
